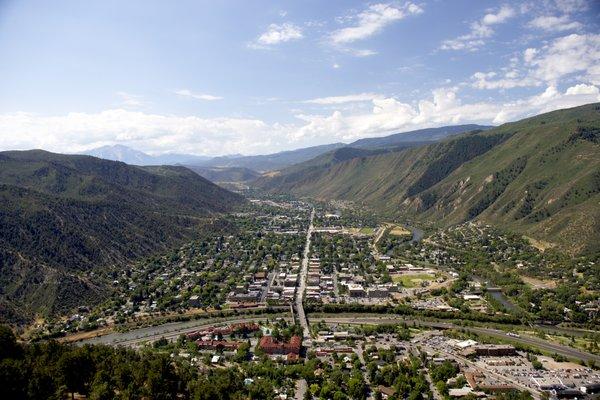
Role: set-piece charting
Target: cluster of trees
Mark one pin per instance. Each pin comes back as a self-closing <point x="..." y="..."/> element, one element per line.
<point x="52" y="370"/>
<point x="406" y="378"/>
<point x="339" y="250"/>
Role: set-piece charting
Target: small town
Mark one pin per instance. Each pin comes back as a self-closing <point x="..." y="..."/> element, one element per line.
<point x="351" y="301"/>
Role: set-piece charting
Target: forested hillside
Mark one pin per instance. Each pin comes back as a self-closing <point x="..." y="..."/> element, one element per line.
<point x="539" y="176"/>
<point x="61" y="216"/>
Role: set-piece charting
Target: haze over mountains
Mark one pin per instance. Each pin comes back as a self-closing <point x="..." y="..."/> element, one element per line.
<point x="278" y="160"/>
<point x="135" y="157"/>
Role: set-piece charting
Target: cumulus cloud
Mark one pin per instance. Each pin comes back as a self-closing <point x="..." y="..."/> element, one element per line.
<point x="571" y="55"/>
<point x="567" y="55"/>
<point x="155" y="133"/>
<point x="444" y="107"/>
<point x="480" y="30"/>
<point x="197" y="96"/>
<point x="554" y="23"/>
<point x="276" y="34"/>
<point x="148" y="132"/>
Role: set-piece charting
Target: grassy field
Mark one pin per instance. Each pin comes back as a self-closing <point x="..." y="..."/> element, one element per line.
<point x="361" y="231"/>
<point x="412" y="280"/>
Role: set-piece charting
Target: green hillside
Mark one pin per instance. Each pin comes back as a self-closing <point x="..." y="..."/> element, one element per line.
<point x="539" y="176"/>
<point x="64" y="216"/>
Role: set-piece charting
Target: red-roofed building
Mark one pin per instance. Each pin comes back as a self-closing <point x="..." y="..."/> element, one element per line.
<point x="271" y="346"/>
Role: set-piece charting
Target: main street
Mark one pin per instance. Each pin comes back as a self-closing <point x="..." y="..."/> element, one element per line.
<point x="303" y="273"/>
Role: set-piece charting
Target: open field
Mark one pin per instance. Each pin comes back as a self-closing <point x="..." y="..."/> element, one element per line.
<point x="412" y="280"/>
<point x="541" y="245"/>
<point x="397" y="230"/>
<point x="539" y="283"/>
<point x="366" y="230"/>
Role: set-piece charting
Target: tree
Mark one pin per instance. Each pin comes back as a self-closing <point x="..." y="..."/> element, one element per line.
<point x="75" y="370"/>
<point x="357" y="388"/>
<point x="9" y="348"/>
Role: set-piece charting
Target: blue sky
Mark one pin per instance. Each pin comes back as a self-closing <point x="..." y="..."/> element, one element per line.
<point x="255" y="77"/>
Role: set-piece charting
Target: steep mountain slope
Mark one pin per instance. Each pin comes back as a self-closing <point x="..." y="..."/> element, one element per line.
<point x="225" y="174"/>
<point x="61" y="216"/>
<point x="421" y="135"/>
<point x="136" y="157"/>
<point x="539" y="176"/>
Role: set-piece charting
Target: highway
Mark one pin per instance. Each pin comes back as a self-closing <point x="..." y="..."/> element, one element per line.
<point x="173" y="330"/>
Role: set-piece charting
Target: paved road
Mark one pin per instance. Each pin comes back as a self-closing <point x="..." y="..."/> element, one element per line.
<point x="303" y="274"/>
<point x="432" y="387"/>
<point x="171" y="330"/>
<point x="301" y="388"/>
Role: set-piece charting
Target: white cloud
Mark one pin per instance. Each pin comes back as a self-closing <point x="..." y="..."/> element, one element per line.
<point x="368" y="23"/>
<point x="565" y="56"/>
<point x="529" y="54"/>
<point x="445" y="107"/>
<point x="480" y="30"/>
<point x="130" y="100"/>
<point x="501" y="16"/>
<point x="570" y="6"/>
<point x="583" y="89"/>
<point x="197" y="96"/>
<point x="278" y="33"/>
<point x="373" y="20"/>
<point x="568" y="56"/>
<point x="510" y="80"/>
<point x="344" y="99"/>
<point x="554" y="23"/>
<point x="155" y="133"/>
<point x="358" y="52"/>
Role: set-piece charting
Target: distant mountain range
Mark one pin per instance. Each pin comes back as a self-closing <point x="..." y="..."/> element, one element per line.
<point x="539" y="176"/>
<point x="61" y="215"/>
<point x="135" y="157"/>
<point x="275" y="161"/>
